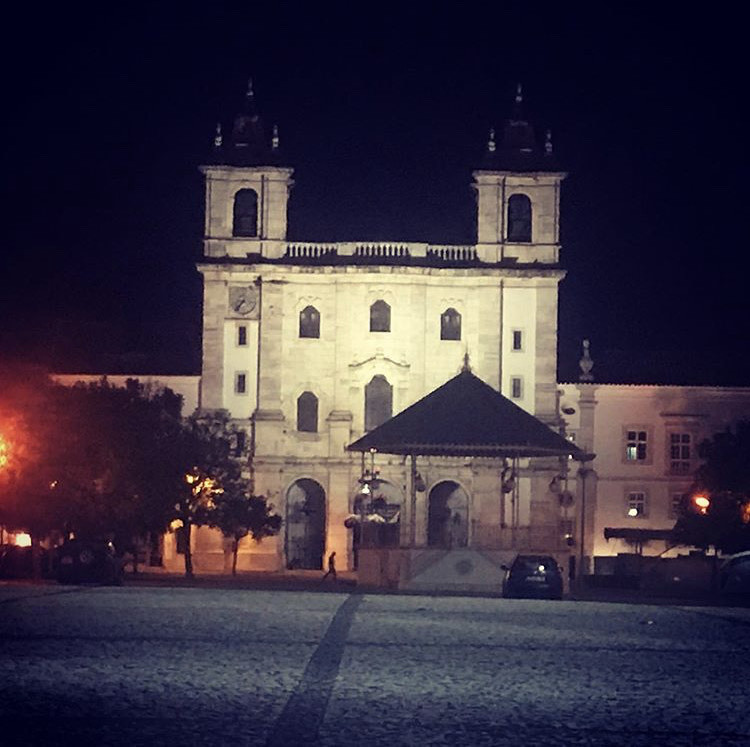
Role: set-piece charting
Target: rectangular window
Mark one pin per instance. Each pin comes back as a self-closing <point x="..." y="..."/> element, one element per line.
<point x="517" y="342"/>
<point x="676" y="504"/>
<point x="680" y="453"/>
<point x="240" y="443"/>
<point x="636" y="504"/>
<point x="636" y="446"/>
<point x="240" y="383"/>
<point x="516" y="387"/>
<point x="242" y="335"/>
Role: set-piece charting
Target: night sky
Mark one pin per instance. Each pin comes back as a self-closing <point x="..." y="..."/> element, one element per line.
<point x="383" y="111"/>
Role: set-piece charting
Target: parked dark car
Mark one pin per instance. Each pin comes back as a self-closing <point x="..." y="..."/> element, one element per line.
<point x="734" y="576"/>
<point x="82" y="561"/>
<point x="16" y="562"/>
<point x="533" y="577"/>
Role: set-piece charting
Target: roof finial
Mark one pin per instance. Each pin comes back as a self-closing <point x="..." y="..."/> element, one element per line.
<point x="491" y="146"/>
<point x="586" y="364"/>
<point x="275" y="138"/>
<point x="218" y="139"/>
<point x="548" y="143"/>
<point x="466" y="368"/>
<point x="519" y="93"/>
<point x="250" y="93"/>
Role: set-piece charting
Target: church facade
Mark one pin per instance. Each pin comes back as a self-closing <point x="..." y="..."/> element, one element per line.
<point x="310" y="345"/>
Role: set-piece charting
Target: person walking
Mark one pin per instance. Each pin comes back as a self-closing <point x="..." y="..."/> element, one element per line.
<point x="331" y="567"/>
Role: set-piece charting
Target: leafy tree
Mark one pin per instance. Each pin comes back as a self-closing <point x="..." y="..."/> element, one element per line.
<point x="724" y="479"/>
<point x="203" y="466"/>
<point x="238" y="515"/>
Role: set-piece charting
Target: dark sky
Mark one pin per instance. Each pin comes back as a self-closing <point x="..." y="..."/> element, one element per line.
<point x="384" y="112"/>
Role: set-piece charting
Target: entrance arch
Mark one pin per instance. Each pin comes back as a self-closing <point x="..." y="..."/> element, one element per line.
<point x="305" y="537"/>
<point x="448" y="516"/>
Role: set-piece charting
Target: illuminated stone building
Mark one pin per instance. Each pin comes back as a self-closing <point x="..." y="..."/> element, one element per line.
<point x="311" y="345"/>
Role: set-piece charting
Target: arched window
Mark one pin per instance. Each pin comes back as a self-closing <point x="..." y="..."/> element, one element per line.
<point x="378" y="402"/>
<point x="450" y="325"/>
<point x="309" y="322"/>
<point x="245" y="213"/>
<point x="307" y="412"/>
<point x="519" y="218"/>
<point x="380" y="317"/>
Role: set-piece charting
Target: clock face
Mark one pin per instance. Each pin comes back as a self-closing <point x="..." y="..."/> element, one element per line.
<point x="243" y="301"/>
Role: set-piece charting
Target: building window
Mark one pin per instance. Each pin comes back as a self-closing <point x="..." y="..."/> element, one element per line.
<point x="309" y="322"/>
<point x="675" y="508"/>
<point x="307" y="412"/>
<point x="517" y="340"/>
<point x="378" y="402"/>
<point x="450" y="325"/>
<point x="240" y="443"/>
<point x="636" y="446"/>
<point x="516" y="387"/>
<point x="636" y="508"/>
<point x="245" y="221"/>
<point x="519" y="218"/>
<point x="680" y="453"/>
<point x="242" y="335"/>
<point x="240" y="383"/>
<point x="380" y="317"/>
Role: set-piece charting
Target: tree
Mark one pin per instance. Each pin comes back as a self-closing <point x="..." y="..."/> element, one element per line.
<point x="238" y="515"/>
<point x="203" y="466"/>
<point x="724" y="482"/>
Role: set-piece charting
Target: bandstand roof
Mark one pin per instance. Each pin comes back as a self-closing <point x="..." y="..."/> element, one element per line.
<point x="467" y="417"/>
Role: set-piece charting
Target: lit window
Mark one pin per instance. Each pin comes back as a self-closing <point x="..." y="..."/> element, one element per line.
<point x="679" y="453"/>
<point x="242" y="335"/>
<point x="516" y="387"/>
<point x="519" y="218"/>
<point x="245" y="213"/>
<point x="307" y="412"/>
<point x="636" y="446"/>
<point x="450" y="325"/>
<point x="517" y="343"/>
<point x="240" y="383"/>
<point x="309" y="322"/>
<point x="636" y="504"/>
<point x="378" y="402"/>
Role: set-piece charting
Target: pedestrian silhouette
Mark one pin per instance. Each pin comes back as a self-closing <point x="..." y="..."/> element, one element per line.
<point x="331" y="567"/>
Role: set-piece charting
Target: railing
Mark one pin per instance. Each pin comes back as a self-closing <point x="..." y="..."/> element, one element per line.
<point x="311" y="251"/>
<point x="386" y="250"/>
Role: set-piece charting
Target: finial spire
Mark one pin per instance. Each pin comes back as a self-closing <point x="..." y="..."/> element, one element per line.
<point x="548" y="143"/>
<point x="218" y="138"/>
<point x="586" y="364"/>
<point x="466" y="368"/>
<point x="275" y="138"/>
<point x="250" y="93"/>
<point x="491" y="145"/>
<point x="519" y="93"/>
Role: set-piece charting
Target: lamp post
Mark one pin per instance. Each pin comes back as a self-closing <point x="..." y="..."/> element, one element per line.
<point x="369" y="483"/>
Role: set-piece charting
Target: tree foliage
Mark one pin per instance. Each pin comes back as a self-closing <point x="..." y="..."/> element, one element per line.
<point x="117" y="462"/>
<point x="724" y="478"/>
<point x="238" y="515"/>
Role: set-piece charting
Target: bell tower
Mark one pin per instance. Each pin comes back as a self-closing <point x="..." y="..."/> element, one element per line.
<point x="247" y="189"/>
<point x="518" y="195"/>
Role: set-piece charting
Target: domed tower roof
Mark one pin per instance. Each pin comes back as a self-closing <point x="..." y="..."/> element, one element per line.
<point x="519" y="149"/>
<point x="247" y="144"/>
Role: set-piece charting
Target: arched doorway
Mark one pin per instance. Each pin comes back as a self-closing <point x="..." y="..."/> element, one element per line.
<point x="305" y="538"/>
<point x="448" y="516"/>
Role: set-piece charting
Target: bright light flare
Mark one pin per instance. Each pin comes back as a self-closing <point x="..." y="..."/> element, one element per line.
<point x="22" y="539"/>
